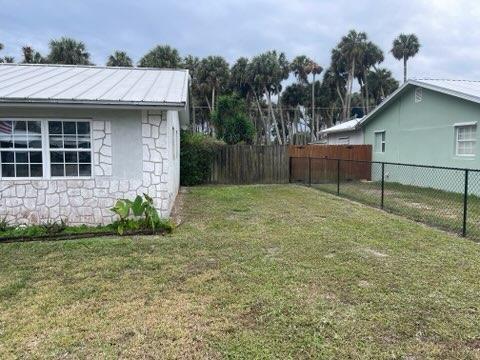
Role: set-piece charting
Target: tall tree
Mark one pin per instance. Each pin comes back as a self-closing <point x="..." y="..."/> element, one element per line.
<point x="302" y="67"/>
<point x="119" y="58"/>
<point x="350" y="49"/>
<point x="213" y="75"/>
<point x="68" y="51"/>
<point x="161" y="56"/>
<point x="381" y="84"/>
<point x="266" y="73"/>
<point x="372" y="56"/>
<point x="403" y="48"/>
<point x="30" y="56"/>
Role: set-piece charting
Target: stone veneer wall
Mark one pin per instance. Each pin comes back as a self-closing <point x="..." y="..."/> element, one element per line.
<point x="88" y="201"/>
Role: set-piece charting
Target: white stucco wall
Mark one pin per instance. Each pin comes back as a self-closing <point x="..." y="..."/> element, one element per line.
<point x="354" y="138"/>
<point x="133" y="153"/>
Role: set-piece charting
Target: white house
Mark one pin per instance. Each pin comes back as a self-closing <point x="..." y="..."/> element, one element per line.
<point x="346" y="133"/>
<point x="74" y="139"/>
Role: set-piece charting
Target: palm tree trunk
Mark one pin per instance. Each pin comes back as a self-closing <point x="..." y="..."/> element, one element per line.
<point x="404" y="69"/>
<point x="266" y="126"/>
<point x="313" y="108"/>
<point x="272" y="114"/>
<point x="213" y="99"/>
<point x="367" y="100"/>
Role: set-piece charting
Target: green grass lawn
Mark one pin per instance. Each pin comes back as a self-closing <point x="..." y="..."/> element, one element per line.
<point x="432" y="206"/>
<point x="253" y="272"/>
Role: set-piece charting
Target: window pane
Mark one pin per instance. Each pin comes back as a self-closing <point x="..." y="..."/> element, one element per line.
<point x="57" y="170"/>
<point x="83" y="128"/>
<point x="20" y="127"/>
<point x="34" y="128"/>
<point x="84" y="142"/>
<point x="56" y="157"/>
<point x="54" y="127"/>
<point x="36" y="170"/>
<point x="6" y="141"/>
<point x="6" y="127"/>
<point x="85" y="170"/>
<point x="84" y="157"/>
<point x="20" y="141"/>
<point x="56" y="142"/>
<point x="69" y="127"/>
<point x="8" y="170"/>
<point x="36" y="157"/>
<point x="70" y="142"/>
<point x="34" y="141"/>
<point x="21" y="157"/>
<point x="22" y="170"/>
<point x="71" y="157"/>
<point x="7" y="157"/>
<point x="71" y="170"/>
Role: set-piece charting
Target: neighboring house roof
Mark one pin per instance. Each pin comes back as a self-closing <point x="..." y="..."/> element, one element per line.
<point x="465" y="89"/>
<point x="93" y="85"/>
<point x="343" y="127"/>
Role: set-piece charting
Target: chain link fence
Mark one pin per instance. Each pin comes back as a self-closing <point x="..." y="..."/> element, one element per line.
<point x="445" y="197"/>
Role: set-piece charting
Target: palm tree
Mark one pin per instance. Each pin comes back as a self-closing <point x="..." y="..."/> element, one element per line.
<point x="372" y="56"/>
<point x="30" y="56"/>
<point x="403" y="48"/>
<point x="381" y="84"/>
<point x="213" y="75"/>
<point x="314" y="69"/>
<point x="350" y="49"/>
<point x="161" y="56"/>
<point x="1" y="46"/>
<point x="68" y="51"/>
<point x="119" y="58"/>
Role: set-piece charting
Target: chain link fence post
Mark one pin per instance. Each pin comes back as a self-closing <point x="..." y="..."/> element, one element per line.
<point x="383" y="186"/>
<point x="338" y="176"/>
<point x="309" y="171"/>
<point x="465" y="200"/>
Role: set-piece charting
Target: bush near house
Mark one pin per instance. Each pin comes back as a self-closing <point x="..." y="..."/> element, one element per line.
<point x="196" y="155"/>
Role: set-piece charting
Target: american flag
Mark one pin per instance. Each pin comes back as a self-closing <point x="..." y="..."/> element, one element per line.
<point x="5" y="127"/>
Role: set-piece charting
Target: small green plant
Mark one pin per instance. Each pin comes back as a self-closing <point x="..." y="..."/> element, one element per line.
<point x="137" y="214"/>
<point x="54" y="227"/>
<point x="4" y="224"/>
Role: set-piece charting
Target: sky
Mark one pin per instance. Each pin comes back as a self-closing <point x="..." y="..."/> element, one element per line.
<point x="449" y="31"/>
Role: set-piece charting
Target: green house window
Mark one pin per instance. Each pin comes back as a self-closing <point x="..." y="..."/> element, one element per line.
<point x="380" y="141"/>
<point x="466" y="139"/>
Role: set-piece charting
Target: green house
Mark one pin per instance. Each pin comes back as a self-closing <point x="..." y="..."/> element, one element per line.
<point x="429" y="122"/>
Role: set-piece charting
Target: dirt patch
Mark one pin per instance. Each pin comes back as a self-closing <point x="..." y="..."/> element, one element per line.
<point x="375" y="253"/>
<point x="177" y="208"/>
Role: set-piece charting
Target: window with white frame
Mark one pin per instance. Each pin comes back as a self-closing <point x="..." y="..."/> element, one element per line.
<point x="345" y="140"/>
<point x="21" y="149"/>
<point x="70" y="148"/>
<point x="466" y="138"/>
<point x="42" y="148"/>
<point x="380" y="141"/>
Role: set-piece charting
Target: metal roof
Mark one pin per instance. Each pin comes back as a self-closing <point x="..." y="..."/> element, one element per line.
<point x="93" y="85"/>
<point x="465" y="89"/>
<point x="343" y="127"/>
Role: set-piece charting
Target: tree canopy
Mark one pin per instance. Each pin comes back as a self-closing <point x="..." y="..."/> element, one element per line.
<point x="161" y="56"/>
<point x="119" y="58"/>
<point x="68" y="51"/>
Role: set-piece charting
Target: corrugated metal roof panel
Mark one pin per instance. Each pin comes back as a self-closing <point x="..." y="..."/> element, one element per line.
<point x="92" y="84"/>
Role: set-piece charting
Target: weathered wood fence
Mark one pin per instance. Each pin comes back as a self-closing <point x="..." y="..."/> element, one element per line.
<point x="278" y="164"/>
<point x="316" y="164"/>
<point x="251" y="164"/>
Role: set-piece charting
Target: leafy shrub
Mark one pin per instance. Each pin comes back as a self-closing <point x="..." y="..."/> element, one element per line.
<point x="138" y="214"/>
<point x="4" y="224"/>
<point x="196" y="154"/>
<point x="231" y="121"/>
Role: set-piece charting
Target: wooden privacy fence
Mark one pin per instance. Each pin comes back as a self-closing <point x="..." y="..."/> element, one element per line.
<point x="316" y="164"/>
<point x="251" y="164"/>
